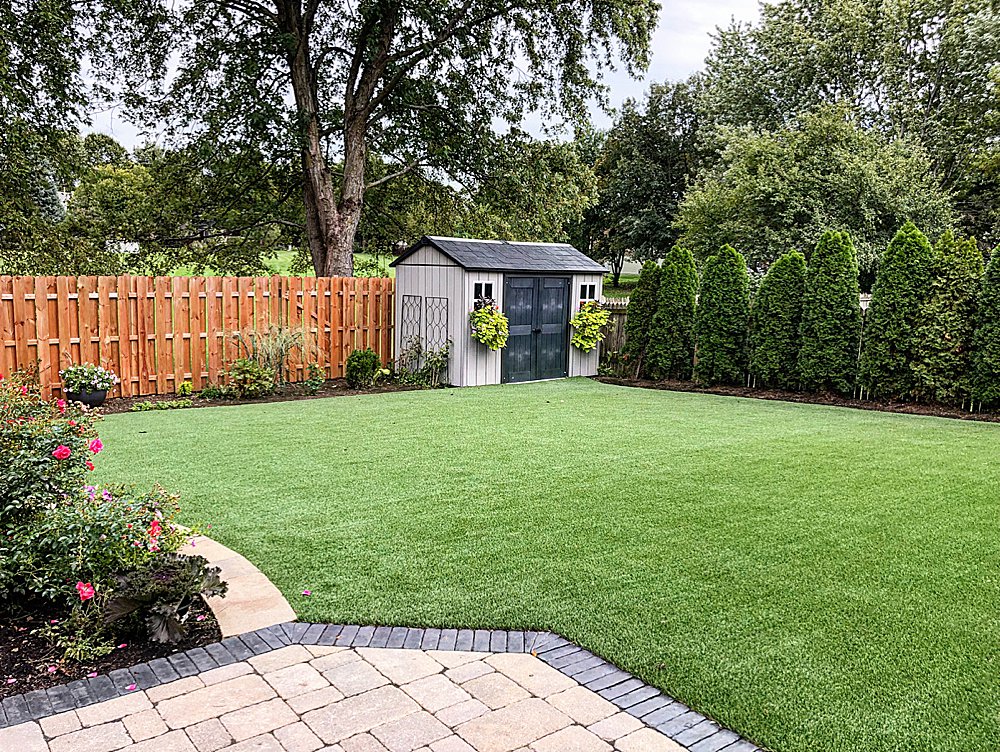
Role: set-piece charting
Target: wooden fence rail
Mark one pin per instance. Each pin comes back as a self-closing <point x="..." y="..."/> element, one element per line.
<point x="157" y="332"/>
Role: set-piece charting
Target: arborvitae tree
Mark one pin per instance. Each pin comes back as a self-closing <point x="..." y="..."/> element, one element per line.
<point x="670" y="353"/>
<point x="831" y="317"/>
<point x="639" y="314"/>
<point x="775" y="318"/>
<point x="901" y="289"/>
<point x="986" y="340"/>
<point x="947" y="321"/>
<point x="720" y="323"/>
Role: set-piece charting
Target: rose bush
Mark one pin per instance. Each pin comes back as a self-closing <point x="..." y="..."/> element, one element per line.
<point x="78" y="545"/>
<point x="45" y="449"/>
<point x="89" y="536"/>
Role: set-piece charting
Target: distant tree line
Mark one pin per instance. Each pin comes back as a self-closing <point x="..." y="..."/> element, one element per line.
<point x="851" y="116"/>
<point x="931" y="332"/>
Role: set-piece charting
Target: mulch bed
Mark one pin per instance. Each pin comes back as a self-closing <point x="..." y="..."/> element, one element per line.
<point x="26" y="656"/>
<point x="287" y="393"/>
<point x="911" y="408"/>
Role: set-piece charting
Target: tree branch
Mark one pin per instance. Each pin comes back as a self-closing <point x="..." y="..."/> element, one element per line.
<point x="398" y="174"/>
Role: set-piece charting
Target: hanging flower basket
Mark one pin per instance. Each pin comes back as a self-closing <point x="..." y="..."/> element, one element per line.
<point x="588" y="325"/>
<point x="489" y="325"/>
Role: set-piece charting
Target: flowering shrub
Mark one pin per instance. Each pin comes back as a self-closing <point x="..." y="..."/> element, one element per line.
<point x="489" y="325"/>
<point x="87" y="378"/>
<point x="84" y="539"/>
<point x="76" y="544"/>
<point x="46" y="448"/>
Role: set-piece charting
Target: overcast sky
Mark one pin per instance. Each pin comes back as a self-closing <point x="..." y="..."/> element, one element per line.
<point x="679" y="47"/>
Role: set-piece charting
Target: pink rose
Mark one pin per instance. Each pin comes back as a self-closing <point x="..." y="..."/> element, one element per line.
<point x="86" y="590"/>
<point x="62" y="452"/>
<point x="96" y="445"/>
<point x="61" y="404"/>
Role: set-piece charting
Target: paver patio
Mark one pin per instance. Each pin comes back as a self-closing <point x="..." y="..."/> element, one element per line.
<point x="303" y="698"/>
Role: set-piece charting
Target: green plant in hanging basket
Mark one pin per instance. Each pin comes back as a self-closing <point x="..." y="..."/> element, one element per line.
<point x="489" y="325"/>
<point x="588" y="325"/>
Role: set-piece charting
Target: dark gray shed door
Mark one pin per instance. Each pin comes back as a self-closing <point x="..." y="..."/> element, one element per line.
<point x="537" y="310"/>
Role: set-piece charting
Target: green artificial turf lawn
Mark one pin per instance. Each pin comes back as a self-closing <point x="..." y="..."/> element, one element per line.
<point x="817" y="578"/>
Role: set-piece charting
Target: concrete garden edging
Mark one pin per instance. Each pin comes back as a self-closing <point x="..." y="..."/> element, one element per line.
<point x="252" y="601"/>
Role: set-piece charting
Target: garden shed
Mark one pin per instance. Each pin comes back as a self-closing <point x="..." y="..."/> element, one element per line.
<point x="538" y="286"/>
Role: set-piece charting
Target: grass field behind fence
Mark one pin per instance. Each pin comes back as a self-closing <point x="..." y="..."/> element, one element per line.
<point x="817" y="578"/>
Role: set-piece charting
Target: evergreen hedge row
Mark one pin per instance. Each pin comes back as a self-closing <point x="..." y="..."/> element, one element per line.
<point x="902" y="288"/>
<point x="932" y="331"/>
<point x="986" y="340"/>
<point x="642" y="305"/>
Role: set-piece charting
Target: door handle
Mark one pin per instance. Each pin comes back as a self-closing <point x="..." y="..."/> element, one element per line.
<point x="536" y="331"/>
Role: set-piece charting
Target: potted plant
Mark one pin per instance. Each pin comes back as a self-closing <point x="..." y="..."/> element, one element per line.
<point x="87" y="383"/>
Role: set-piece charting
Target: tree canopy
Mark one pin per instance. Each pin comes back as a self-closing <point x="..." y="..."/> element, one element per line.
<point x="775" y="191"/>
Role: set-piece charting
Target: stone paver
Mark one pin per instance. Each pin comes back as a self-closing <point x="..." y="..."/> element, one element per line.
<point x="325" y="698"/>
<point x="296" y="680"/>
<point x="297" y="738"/>
<point x="495" y="690"/>
<point x="582" y="705"/>
<point x="257" y="720"/>
<point x="26" y="737"/>
<point x="209" y="736"/>
<point x="57" y="725"/>
<point x="513" y="726"/>
<point x="616" y="726"/>
<point x="214" y="701"/>
<point x="572" y="737"/>
<point x="144" y="725"/>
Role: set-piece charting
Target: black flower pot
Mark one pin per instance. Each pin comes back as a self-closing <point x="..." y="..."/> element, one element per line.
<point x="90" y="399"/>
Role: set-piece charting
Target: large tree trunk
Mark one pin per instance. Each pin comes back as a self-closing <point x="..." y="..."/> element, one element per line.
<point x="331" y="220"/>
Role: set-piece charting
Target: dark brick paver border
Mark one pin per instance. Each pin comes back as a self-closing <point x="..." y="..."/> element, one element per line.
<point x="657" y="710"/>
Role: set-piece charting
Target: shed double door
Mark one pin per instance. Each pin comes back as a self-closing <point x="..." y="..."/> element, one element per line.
<point x="537" y="310"/>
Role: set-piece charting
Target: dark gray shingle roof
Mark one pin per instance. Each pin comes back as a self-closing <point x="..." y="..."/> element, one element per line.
<point x="503" y="255"/>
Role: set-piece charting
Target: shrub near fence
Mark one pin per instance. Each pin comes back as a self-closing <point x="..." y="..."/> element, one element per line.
<point x="157" y="332"/>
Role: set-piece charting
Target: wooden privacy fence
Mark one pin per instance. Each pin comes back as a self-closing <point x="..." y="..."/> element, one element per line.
<point x="157" y="332"/>
<point x="614" y="330"/>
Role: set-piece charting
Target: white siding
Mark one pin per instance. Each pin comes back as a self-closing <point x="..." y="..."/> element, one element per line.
<point x="581" y="363"/>
<point x="480" y="364"/>
<point x="428" y="255"/>
<point x="434" y="276"/>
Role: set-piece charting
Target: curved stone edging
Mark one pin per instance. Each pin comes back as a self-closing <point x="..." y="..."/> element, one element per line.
<point x="687" y="727"/>
<point x="252" y="601"/>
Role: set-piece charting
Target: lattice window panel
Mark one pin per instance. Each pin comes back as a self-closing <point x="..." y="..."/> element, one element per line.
<point x="410" y="320"/>
<point x="435" y="323"/>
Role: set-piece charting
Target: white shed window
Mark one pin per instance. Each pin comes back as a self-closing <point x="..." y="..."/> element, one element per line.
<point x="588" y="292"/>
<point x="483" y="291"/>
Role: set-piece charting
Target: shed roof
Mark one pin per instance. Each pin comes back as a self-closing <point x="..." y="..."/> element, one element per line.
<point x="508" y="256"/>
